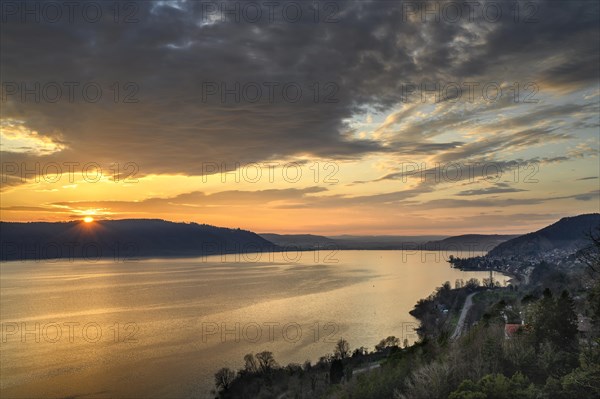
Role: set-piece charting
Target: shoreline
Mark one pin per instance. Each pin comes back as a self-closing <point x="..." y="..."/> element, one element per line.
<point x="513" y="277"/>
<point x="226" y="253"/>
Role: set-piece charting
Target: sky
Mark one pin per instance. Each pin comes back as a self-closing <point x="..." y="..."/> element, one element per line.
<point x="328" y="117"/>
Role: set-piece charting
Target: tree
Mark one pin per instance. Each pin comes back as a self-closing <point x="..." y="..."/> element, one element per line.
<point x="307" y="366"/>
<point x="314" y="378"/>
<point x="389" y="342"/>
<point x="496" y="386"/>
<point x="362" y="351"/>
<point x="348" y="373"/>
<point x="555" y="322"/>
<point x="293" y="368"/>
<point x="492" y="353"/>
<point x="472" y="284"/>
<point x="266" y="361"/>
<point x="554" y="361"/>
<point x="468" y="390"/>
<point x="325" y="360"/>
<point x="250" y="365"/>
<point x="590" y="256"/>
<point x="336" y="371"/>
<point x="428" y="382"/>
<point x="519" y="355"/>
<point x="444" y="291"/>
<point x="488" y="282"/>
<point x="566" y="322"/>
<point x="342" y="349"/>
<point x="594" y="301"/>
<point x="543" y="323"/>
<point x="582" y="383"/>
<point x="224" y="378"/>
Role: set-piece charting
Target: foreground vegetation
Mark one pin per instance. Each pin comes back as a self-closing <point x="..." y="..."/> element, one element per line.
<point x="539" y="340"/>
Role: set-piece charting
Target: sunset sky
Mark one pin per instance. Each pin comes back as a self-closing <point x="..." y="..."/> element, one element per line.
<point x="343" y="157"/>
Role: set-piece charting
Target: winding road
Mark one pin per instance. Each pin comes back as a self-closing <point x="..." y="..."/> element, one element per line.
<point x="460" y="326"/>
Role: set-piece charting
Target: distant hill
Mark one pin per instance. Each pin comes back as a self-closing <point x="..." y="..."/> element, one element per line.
<point x="387" y="239"/>
<point x="299" y="241"/>
<point x="131" y="238"/>
<point x="382" y="242"/>
<point x="469" y="242"/>
<point x="311" y="241"/>
<point x="568" y="234"/>
<point x="128" y="238"/>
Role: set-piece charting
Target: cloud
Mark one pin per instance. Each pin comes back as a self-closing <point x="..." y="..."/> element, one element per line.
<point x="197" y="199"/>
<point x="588" y="196"/>
<point x="353" y="110"/>
<point x="172" y="51"/>
<point x="502" y="203"/>
<point x="490" y="190"/>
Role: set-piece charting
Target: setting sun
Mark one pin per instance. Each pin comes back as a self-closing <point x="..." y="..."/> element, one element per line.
<point x="88" y="219"/>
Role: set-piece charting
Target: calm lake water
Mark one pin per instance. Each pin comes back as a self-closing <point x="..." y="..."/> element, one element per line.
<point x="162" y="327"/>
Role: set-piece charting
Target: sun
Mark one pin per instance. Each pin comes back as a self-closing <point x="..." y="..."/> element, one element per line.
<point x="88" y="219"/>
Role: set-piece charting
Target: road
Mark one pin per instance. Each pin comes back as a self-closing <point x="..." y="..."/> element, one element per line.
<point x="460" y="326"/>
<point x="369" y="367"/>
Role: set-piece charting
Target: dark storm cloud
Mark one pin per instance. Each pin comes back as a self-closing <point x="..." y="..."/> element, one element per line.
<point x="172" y="52"/>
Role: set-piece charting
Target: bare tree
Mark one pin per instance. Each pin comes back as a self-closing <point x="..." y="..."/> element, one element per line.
<point x="342" y="349"/>
<point x="266" y="361"/>
<point x="472" y="283"/>
<point x="224" y="378"/>
<point x="250" y="365"/>
<point x="428" y="382"/>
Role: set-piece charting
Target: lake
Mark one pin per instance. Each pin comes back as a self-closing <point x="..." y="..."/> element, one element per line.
<point x="163" y="327"/>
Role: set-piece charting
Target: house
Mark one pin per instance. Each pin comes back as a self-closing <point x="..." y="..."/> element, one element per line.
<point x="510" y="330"/>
